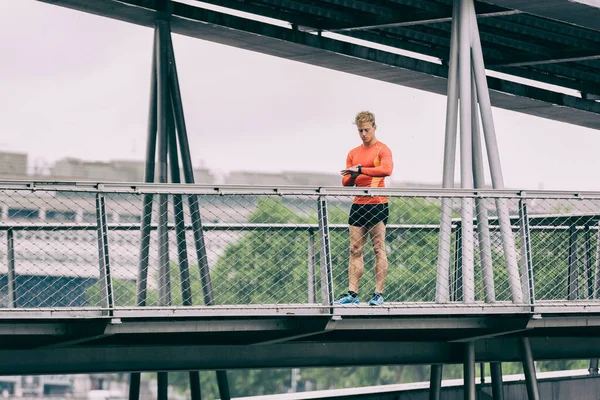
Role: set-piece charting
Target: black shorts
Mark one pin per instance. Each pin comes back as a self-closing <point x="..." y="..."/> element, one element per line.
<point x="368" y="215"/>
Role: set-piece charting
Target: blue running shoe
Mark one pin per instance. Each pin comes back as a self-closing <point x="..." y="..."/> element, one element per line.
<point x="377" y="299"/>
<point x="346" y="298"/>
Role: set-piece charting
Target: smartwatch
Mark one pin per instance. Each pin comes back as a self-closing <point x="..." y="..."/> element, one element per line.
<point x="359" y="169"/>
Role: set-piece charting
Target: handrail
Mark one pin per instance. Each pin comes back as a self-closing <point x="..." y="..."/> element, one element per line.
<point x="204" y="189"/>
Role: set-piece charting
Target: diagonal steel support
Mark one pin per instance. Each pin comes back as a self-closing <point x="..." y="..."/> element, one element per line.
<point x="445" y="238"/>
<point x="188" y="172"/>
<point x="165" y="125"/>
<point x="106" y="287"/>
<point x="325" y="253"/>
<point x="435" y="381"/>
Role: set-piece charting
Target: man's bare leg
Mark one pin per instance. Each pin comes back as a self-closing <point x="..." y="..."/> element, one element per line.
<point x="356" y="269"/>
<point x="377" y="233"/>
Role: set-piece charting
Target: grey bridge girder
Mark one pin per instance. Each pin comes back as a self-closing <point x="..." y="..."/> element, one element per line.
<point x="341" y="56"/>
<point x="561" y="10"/>
<point x="167" y="343"/>
<point x="168" y="357"/>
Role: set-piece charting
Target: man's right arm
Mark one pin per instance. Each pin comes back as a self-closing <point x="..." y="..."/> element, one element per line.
<point x="349" y="179"/>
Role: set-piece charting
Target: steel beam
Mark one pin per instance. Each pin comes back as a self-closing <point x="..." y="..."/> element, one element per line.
<point x="543" y="77"/>
<point x="435" y="381"/>
<point x="162" y="383"/>
<point x="525" y="25"/>
<point x="223" y="385"/>
<point x="188" y="172"/>
<point x="164" y="109"/>
<point x="557" y="59"/>
<point x="593" y="368"/>
<point x="425" y="21"/>
<point x="445" y="237"/>
<point x="483" y="225"/>
<point x="134" y="385"/>
<point x="457" y="286"/>
<point x="11" y="275"/>
<point x="526" y="255"/>
<point x="469" y="371"/>
<point x="568" y="11"/>
<point x="572" y="260"/>
<point x="329" y="53"/>
<point x="495" y="165"/>
<point x="466" y="160"/>
<point x="496" y="374"/>
<point x="180" y="231"/>
<point x="167" y="357"/>
<point x="325" y="253"/>
<point x="312" y="272"/>
<point x="529" y="369"/>
<point x="195" y="392"/>
<point x="588" y="264"/>
<point x="106" y="286"/>
<point x="149" y="170"/>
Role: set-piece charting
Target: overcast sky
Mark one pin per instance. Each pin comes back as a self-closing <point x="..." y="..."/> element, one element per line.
<point x="77" y="85"/>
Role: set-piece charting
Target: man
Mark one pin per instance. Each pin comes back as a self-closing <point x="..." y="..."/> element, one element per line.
<point x="367" y="166"/>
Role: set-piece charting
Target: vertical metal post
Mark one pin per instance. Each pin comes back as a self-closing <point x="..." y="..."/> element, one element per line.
<point x="457" y="284"/>
<point x="163" y="385"/>
<point x="482" y="373"/>
<point x="106" y="288"/>
<point x="195" y="216"/>
<point x="188" y="172"/>
<point x="529" y="369"/>
<point x="483" y="228"/>
<point x="11" y="276"/>
<point x="589" y="277"/>
<point x="496" y="373"/>
<point x="223" y="385"/>
<point x="195" y="392"/>
<point x="164" y="282"/>
<point x="593" y="369"/>
<point x="325" y="253"/>
<point x="527" y="267"/>
<point x="573" y="277"/>
<point x="146" y="221"/>
<point x="435" y="381"/>
<point x="597" y="266"/>
<point x="466" y="163"/>
<point x="184" y="272"/>
<point x="134" y="385"/>
<point x="443" y="260"/>
<point x="312" y="274"/>
<point x="469" y="371"/>
<point x="494" y="158"/>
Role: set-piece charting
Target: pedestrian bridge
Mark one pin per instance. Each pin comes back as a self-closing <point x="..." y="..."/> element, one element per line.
<point x="95" y="278"/>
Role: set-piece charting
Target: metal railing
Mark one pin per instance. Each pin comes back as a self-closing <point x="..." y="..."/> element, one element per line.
<point x="92" y="246"/>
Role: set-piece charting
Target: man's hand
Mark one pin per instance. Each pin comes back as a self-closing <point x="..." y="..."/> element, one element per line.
<point x="350" y="171"/>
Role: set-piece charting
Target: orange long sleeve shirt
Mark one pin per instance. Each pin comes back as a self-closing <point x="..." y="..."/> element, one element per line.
<point x="377" y="163"/>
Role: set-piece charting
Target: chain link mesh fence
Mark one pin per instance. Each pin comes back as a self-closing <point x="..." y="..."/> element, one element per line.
<point x="87" y="248"/>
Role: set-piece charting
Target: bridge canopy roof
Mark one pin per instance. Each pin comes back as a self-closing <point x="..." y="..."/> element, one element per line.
<point x="549" y="42"/>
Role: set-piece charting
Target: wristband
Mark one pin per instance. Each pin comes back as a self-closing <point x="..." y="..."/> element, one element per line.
<point x="359" y="169"/>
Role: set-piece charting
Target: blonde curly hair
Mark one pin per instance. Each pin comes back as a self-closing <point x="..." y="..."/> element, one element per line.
<point x="364" y="117"/>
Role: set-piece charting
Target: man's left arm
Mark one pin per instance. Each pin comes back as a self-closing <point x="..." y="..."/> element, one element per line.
<point x="385" y="168"/>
